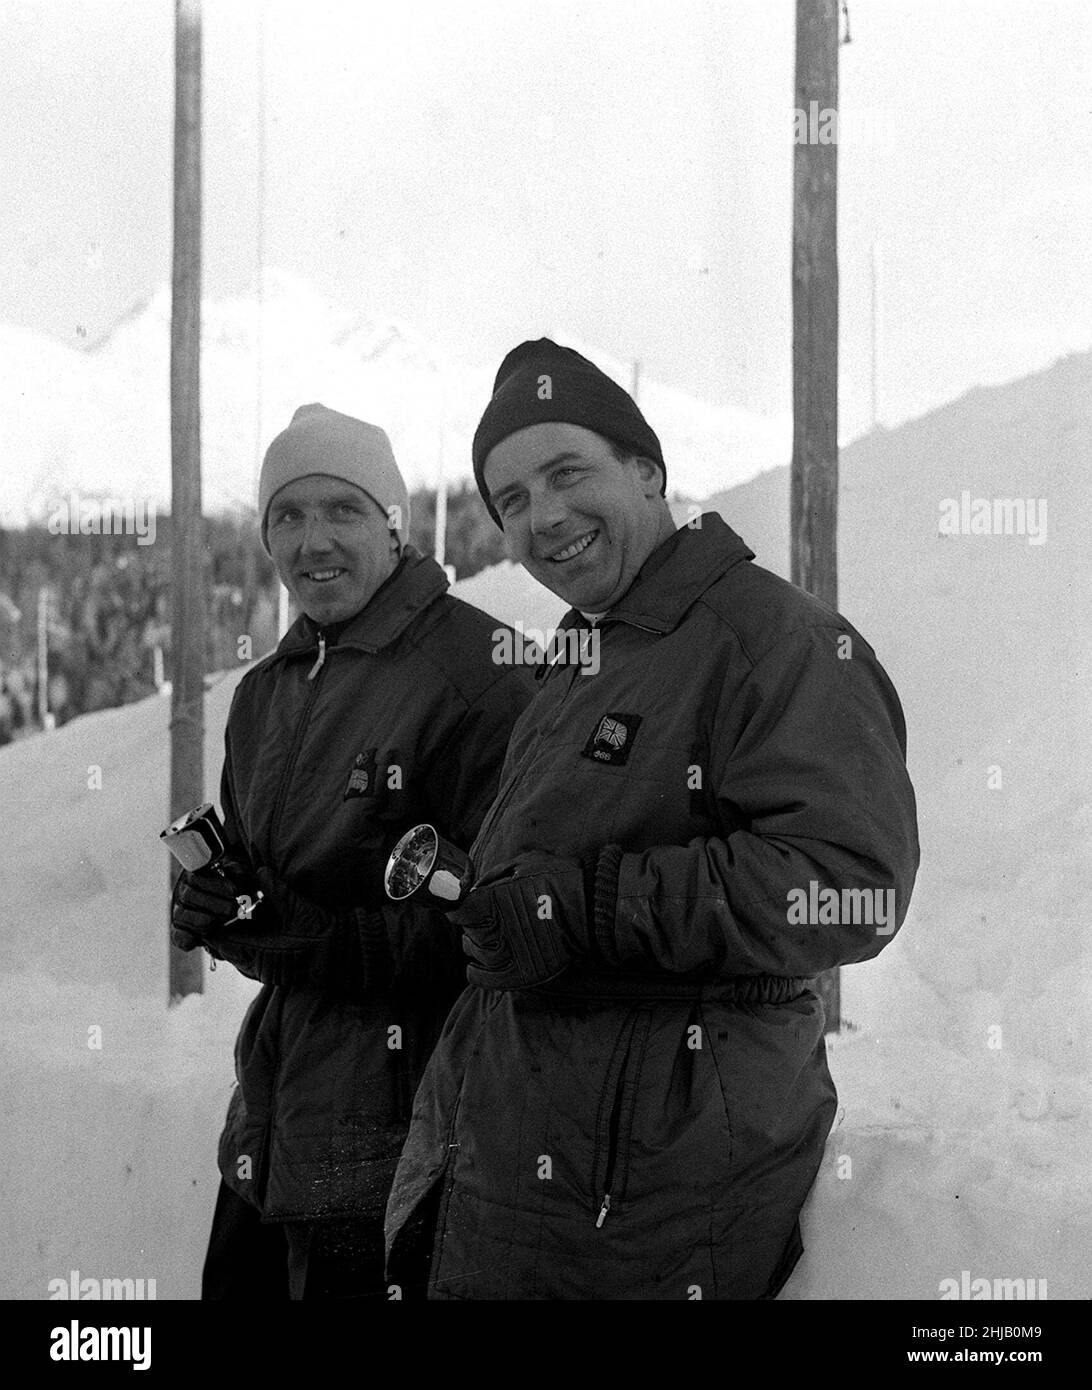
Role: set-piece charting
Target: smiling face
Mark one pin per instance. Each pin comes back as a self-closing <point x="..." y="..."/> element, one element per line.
<point x="574" y="516"/>
<point x="331" y="546"/>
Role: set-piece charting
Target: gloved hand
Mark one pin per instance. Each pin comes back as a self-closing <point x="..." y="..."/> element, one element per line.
<point x="527" y="929"/>
<point x="205" y="901"/>
<point x="293" y="941"/>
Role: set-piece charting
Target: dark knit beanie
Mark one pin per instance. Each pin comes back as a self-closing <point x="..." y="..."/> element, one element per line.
<point x="540" y="382"/>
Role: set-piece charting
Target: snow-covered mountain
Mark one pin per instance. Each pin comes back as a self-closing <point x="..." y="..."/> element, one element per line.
<point x="96" y="421"/>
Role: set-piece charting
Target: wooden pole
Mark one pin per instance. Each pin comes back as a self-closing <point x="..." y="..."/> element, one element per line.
<point x="877" y="328"/>
<point x="186" y="971"/>
<point x="259" y="248"/>
<point x="43" y="657"/>
<point x="814" y="486"/>
<point x="439" y="541"/>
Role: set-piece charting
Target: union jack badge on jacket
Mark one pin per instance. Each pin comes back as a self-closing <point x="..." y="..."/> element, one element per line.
<point x="612" y="738"/>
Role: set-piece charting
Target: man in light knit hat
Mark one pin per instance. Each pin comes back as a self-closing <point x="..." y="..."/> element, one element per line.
<point x="631" y="1099"/>
<point x="381" y="708"/>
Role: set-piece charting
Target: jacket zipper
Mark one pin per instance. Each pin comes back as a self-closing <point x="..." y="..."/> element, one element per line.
<point x="632" y="1043"/>
<point x="613" y="1126"/>
<point x="514" y="780"/>
<point x="275" y="819"/>
<point x="446" y="1177"/>
<point x="321" y="657"/>
<point x="612" y="1152"/>
<point x="505" y="794"/>
<point x="297" y="742"/>
<point x="621" y="1053"/>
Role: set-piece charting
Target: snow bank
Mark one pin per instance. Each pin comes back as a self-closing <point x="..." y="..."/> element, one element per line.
<point x="108" y="1160"/>
<point x="112" y="1102"/>
<point x="965" y="1127"/>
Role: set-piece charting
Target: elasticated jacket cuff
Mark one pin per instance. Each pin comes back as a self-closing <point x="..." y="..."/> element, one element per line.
<point x="603" y="903"/>
<point x="297" y="942"/>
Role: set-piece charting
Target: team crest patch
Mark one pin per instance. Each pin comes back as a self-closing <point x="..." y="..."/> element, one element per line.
<point x="612" y="738"/>
<point x="362" y="777"/>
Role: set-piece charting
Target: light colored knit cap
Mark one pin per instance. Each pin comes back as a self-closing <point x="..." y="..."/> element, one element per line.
<point x="320" y="440"/>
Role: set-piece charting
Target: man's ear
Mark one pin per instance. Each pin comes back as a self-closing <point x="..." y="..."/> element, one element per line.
<point x="650" y="474"/>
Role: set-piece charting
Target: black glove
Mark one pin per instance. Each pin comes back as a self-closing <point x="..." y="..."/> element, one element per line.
<point x="290" y="940"/>
<point x="204" y="901"/>
<point x="526" y="930"/>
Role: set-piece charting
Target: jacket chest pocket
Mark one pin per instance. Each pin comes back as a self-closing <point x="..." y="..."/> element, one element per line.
<point x="376" y="784"/>
<point x="653" y="804"/>
<point x="614" y="1120"/>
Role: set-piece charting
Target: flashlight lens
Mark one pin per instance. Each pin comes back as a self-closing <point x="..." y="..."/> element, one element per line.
<point x="411" y="861"/>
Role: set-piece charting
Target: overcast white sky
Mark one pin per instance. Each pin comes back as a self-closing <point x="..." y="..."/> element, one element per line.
<point x="491" y="170"/>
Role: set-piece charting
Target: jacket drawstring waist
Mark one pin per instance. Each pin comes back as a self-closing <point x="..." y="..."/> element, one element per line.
<point x="733" y="989"/>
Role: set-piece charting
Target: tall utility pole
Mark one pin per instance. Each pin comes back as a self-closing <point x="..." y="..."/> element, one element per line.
<point x="186" y="972"/>
<point x="43" y="657"/>
<point x="814" y="487"/>
<point x="259" y="252"/>
<point x="877" y="329"/>
<point x="439" y="543"/>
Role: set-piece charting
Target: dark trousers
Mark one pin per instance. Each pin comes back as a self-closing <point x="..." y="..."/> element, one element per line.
<point x="280" y="1261"/>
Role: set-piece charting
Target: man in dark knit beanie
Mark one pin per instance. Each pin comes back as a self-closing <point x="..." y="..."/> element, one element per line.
<point x="556" y="420"/>
<point x="540" y="381"/>
<point x="631" y="1101"/>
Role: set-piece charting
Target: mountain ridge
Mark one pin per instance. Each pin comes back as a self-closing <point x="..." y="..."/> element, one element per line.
<point x="94" y="417"/>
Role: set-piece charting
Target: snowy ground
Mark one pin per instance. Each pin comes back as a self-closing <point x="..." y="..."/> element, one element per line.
<point x="965" y="1128"/>
<point x="108" y="1158"/>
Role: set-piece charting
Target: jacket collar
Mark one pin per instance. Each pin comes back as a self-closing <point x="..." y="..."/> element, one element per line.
<point x="675" y="576"/>
<point x="417" y="582"/>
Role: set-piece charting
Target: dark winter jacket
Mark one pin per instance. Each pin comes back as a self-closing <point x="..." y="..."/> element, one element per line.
<point x="405" y="720"/>
<point x="648" y="1124"/>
